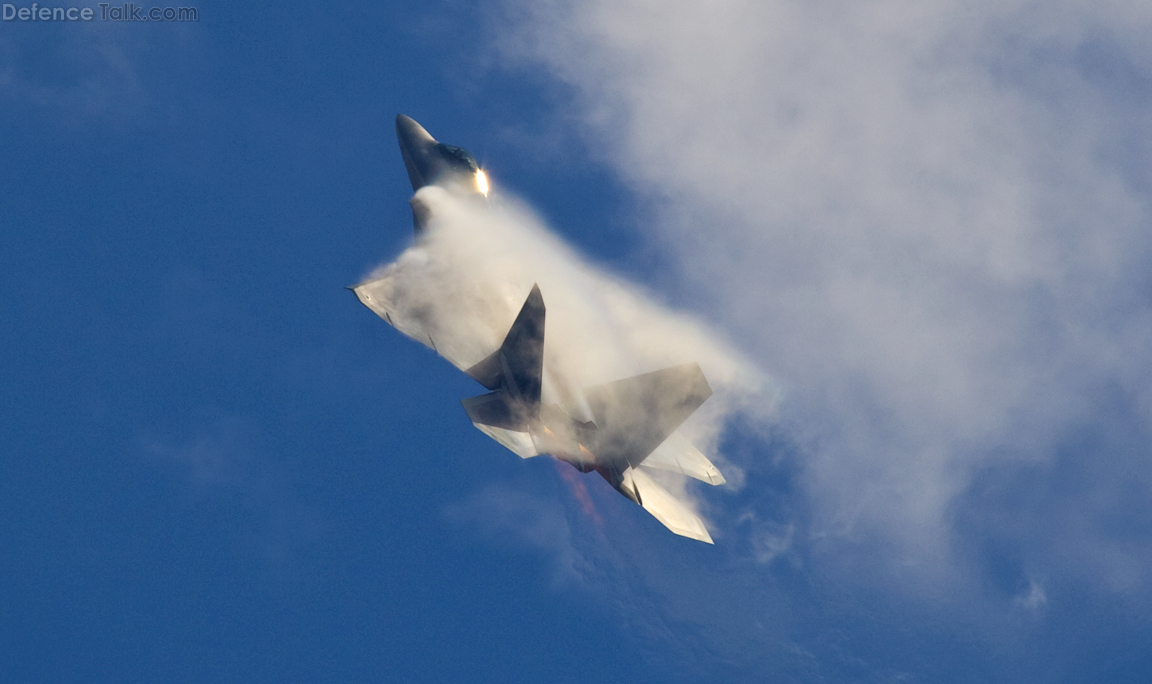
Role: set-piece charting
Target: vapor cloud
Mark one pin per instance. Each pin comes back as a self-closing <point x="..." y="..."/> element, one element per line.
<point x="931" y="219"/>
<point x="467" y="275"/>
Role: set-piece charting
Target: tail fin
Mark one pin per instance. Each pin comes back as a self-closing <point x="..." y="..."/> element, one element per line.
<point x="635" y="415"/>
<point x="677" y="455"/>
<point x="669" y="510"/>
<point x="518" y="364"/>
<point x="514" y="371"/>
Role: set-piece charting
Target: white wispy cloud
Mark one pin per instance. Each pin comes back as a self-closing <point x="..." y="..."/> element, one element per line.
<point x="917" y="214"/>
<point x="90" y="73"/>
<point x="930" y="221"/>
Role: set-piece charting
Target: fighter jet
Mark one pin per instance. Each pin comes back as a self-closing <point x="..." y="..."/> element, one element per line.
<point x="629" y="425"/>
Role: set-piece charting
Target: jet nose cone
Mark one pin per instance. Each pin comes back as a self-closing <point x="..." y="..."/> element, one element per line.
<point x="409" y="132"/>
<point x="415" y="143"/>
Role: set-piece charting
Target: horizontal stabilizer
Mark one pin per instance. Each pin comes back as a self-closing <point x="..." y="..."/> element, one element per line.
<point x="635" y="415"/>
<point x="677" y="455"/>
<point x="519" y="443"/>
<point x="666" y="508"/>
<point x="496" y="409"/>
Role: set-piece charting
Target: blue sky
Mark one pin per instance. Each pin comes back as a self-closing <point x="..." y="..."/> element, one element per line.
<point x="927" y="222"/>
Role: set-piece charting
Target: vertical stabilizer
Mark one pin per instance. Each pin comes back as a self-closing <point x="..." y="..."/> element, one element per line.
<point x="514" y="372"/>
<point x="518" y="365"/>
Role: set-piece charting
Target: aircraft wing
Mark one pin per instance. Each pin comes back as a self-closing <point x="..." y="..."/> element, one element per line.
<point x="677" y="455"/>
<point x="666" y="508"/>
<point x="378" y="295"/>
<point x="637" y="414"/>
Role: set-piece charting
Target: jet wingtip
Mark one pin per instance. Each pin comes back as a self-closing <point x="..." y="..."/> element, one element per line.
<point x="699" y="534"/>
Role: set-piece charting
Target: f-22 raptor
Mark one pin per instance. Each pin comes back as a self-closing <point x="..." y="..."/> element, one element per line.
<point x="633" y="421"/>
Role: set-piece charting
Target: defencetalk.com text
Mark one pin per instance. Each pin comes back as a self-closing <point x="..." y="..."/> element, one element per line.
<point x="107" y="12"/>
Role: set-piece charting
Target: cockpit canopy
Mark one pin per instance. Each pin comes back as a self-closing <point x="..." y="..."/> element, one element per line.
<point x="458" y="159"/>
<point x="429" y="162"/>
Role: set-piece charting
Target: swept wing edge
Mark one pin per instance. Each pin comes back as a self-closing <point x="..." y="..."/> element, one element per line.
<point x="676" y="454"/>
<point x="669" y="510"/>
